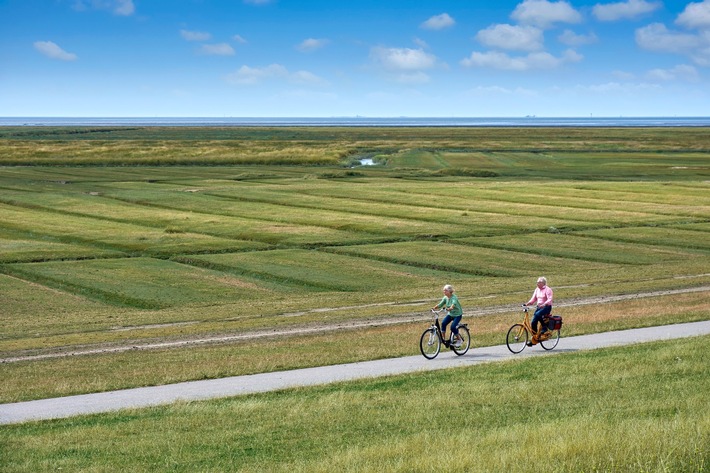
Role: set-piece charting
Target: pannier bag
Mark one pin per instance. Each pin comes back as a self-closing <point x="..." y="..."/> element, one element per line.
<point x="554" y="322"/>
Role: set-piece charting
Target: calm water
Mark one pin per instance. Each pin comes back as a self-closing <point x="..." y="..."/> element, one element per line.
<point x="360" y="121"/>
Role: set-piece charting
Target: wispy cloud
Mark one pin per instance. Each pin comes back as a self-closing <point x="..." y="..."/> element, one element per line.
<point x="694" y="44"/>
<point x="117" y="7"/>
<point x="682" y="72"/>
<point x="545" y="14"/>
<point x="624" y="10"/>
<point x="221" y="49"/>
<point x="570" y="38"/>
<point x="51" y="50"/>
<point x="311" y="44"/>
<point x="438" y="22"/>
<point x="404" y="59"/>
<point x="247" y="75"/>
<point x="239" y="39"/>
<point x="511" y="37"/>
<point x="502" y="61"/>
<point x="195" y="35"/>
<point x="623" y="75"/>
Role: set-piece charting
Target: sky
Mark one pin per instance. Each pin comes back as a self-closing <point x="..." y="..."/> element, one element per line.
<point x="344" y="58"/>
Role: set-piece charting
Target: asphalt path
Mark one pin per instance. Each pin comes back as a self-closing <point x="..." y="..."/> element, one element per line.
<point x="69" y="406"/>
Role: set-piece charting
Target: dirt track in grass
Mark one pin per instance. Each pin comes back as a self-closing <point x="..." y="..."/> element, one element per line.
<point x="313" y="329"/>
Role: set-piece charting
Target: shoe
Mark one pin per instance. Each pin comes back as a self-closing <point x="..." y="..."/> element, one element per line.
<point x="529" y="344"/>
<point x="458" y="343"/>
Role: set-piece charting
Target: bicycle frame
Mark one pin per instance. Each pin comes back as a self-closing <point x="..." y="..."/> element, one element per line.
<point x="432" y="339"/>
<point x="519" y="335"/>
<point x="439" y="333"/>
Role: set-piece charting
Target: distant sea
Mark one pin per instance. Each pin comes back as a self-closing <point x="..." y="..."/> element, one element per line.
<point x="530" y="121"/>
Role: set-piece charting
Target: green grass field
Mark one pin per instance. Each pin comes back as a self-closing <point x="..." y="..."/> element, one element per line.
<point x="123" y="237"/>
<point x="630" y="409"/>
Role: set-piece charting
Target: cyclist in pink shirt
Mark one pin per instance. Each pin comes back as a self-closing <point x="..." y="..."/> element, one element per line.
<point x="543" y="298"/>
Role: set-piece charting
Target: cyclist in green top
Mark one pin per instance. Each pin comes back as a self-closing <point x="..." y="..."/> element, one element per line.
<point x="451" y="303"/>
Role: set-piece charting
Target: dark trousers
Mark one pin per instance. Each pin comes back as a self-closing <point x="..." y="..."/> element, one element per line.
<point x="540" y="312"/>
<point x="454" y="323"/>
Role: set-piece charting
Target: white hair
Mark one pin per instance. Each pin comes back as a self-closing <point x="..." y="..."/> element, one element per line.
<point x="542" y="279"/>
<point x="449" y="287"/>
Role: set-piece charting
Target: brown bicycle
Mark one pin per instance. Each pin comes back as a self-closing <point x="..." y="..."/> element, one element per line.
<point x="520" y="334"/>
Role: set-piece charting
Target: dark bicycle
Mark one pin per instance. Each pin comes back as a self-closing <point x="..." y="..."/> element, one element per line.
<point x="432" y="339"/>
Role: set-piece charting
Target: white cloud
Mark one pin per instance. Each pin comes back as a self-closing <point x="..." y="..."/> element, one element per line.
<point x="518" y="38"/>
<point x="404" y="59"/>
<point x="570" y="38"/>
<point x="239" y="39"/>
<point x="253" y="75"/>
<point x="195" y="35"/>
<point x="421" y="43"/>
<point x="695" y="15"/>
<point x="311" y="44"/>
<point x="545" y="14"/>
<point x="307" y="78"/>
<point x="221" y="49"/>
<point x="438" y="22"/>
<point x="656" y="37"/>
<point x="629" y="9"/>
<point x="124" y="7"/>
<point x="51" y="50"/>
<point x="682" y="72"/>
<point x="246" y="75"/>
<point x="537" y="60"/>
<point x="118" y="7"/>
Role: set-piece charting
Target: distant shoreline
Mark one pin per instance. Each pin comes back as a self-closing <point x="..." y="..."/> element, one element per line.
<point x="530" y="121"/>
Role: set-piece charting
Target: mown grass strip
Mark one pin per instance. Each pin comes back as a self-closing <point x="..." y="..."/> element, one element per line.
<point x="145" y="283"/>
<point x="575" y="246"/>
<point x="658" y="236"/>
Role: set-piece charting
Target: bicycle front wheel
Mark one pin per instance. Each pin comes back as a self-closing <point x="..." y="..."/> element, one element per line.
<point x="517" y="338"/>
<point x="430" y="344"/>
<point x="551" y="342"/>
<point x="465" y="341"/>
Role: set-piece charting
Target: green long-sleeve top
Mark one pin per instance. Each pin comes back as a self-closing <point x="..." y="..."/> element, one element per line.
<point x="452" y="301"/>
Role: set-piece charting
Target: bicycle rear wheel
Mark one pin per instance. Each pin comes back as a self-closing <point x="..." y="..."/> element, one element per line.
<point x="551" y="342"/>
<point x="430" y="344"/>
<point x="465" y="341"/>
<point x="517" y="338"/>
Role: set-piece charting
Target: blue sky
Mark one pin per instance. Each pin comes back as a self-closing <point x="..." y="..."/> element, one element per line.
<point x="317" y="58"/>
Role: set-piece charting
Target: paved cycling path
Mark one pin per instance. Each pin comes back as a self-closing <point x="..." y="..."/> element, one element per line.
<point x="257" y="383"/>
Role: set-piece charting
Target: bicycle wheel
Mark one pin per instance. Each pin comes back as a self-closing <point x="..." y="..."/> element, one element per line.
<point x="517" y="338"/>
<point x="430" y="344"/>
<point x="552" y="341"/>
<point x="465" y="341"/>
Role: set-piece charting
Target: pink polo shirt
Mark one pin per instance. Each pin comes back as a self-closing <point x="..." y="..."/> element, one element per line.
<point x="543" y="296"/>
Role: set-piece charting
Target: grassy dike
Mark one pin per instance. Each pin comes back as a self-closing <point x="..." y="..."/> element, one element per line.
<point x="641" y="408"/>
